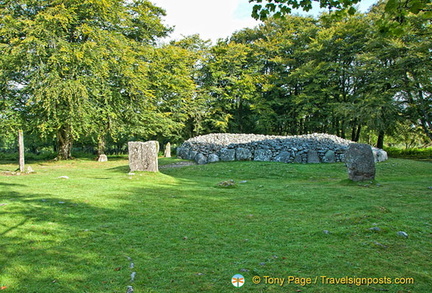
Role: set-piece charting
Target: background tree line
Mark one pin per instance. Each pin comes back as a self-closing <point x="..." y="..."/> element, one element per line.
<point x="95" y="74"/>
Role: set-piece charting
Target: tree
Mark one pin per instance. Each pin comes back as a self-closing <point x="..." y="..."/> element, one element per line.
<point x="70" y="63"/>
<point x="394" y="9"/>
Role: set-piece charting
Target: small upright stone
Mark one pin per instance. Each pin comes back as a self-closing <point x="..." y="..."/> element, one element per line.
<point x="143" y="156"/>
<point x="360" y="162"/>
<point x="167" y="151"/>
<point x="103" y="158"/>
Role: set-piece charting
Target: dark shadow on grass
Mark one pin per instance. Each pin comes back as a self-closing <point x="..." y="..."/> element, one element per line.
<point x="53" y="244"/>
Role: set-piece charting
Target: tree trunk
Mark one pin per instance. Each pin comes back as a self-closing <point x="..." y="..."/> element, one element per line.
<point x="101" y="145"/>
<point x="380" y="142"/>
<point x="21" y="151"/>
<point x="355" y="134"/>
<point x="65" y="141"/>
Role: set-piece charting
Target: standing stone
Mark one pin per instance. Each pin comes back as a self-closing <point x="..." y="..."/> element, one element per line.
<point x="313" y="157"/>
<point x="103" y="158"/>
<point x="360" y="162"/>
<point x="143" y="156"/>
<point x="167" y="152"/>
<point x="21" y="151"/>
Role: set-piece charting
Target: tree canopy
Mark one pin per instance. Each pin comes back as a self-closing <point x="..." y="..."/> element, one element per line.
<point x="95" y="73"/>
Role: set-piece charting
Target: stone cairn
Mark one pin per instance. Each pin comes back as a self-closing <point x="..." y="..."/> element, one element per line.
<point x="143" y="156"/>
<point x="310" y="148"/>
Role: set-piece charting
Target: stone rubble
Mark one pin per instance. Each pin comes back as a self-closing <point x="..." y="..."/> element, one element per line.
<point x="309" y="148"/>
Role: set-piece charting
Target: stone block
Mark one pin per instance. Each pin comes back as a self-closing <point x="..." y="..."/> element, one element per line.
<point x="227" y="154"/>
<point x="167" y="151"/>
<point x="143" y="156"/>
<point x="243" y="154"/>
<point x="360" y="162"/>
<point x="262" y="155"/>
<point x="213" y="158"/>
<point x="329" y="157"/>
<point x="283" y="157"/>
<point x="313" y="157"/>
<point x="201" y="159"/>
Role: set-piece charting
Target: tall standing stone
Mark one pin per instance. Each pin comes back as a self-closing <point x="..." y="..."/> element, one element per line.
<point x="167" y="151"/>
<point x="360" y="162"/>
<point x="143" y="156"/>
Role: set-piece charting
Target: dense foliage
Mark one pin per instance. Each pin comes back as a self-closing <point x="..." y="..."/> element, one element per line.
<point x="94" y="73"/>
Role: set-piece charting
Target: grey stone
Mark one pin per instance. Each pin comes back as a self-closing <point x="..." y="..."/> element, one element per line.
<point x="103" y="158"/>
<point x="191" y="155"/>
<point x="143" y="156"/>
<point x="283" y="157"/>
<point x="201" y="159"/>
<point x="212" y="158"/>
<point x="243" y="154"/>
<point x="403" y="234"/>
<point x="298" y="159"/>
<point x="181" y="152"/>
<point x="360" y="162"/>
<point x="262" y="155"/>
<point x="379" y="155"/>
<point x="227" y="154"/>
<point x="329" y="157"/>
<point x="313" y="157"/>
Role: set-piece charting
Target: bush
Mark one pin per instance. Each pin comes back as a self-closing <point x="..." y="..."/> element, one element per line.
<point x="413" y="153"/>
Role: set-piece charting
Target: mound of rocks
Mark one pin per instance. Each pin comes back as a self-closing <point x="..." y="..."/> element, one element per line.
<point x="310" y="148"/>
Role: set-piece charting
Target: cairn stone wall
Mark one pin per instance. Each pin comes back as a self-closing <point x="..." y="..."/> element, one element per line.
<point x="311" y="148"/>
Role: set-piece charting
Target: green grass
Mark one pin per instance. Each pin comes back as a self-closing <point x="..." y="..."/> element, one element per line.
<point x="186" y="233"/>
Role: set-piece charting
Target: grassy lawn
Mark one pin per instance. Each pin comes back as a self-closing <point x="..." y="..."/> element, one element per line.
<point x="184" y="233"/>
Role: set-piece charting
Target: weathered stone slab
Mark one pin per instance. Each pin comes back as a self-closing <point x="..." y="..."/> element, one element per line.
<point x="313" y="157"/>
<point x="360" y="162"/>
<point x="283" y="157"/>
<point x="201" y="159"/>
<point x="167" y="151"/>
<point x="143" y="156"/>
<point x="227" y="154"/>
<point x="380" y="155"/>
<point x="243" y="154"/>
<point x="263" y="155"/>
<point x="298" y="159"/>
<point x="102" y="158"/>
<point x="329" y="157"/>
<point x="212" y="158"/>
